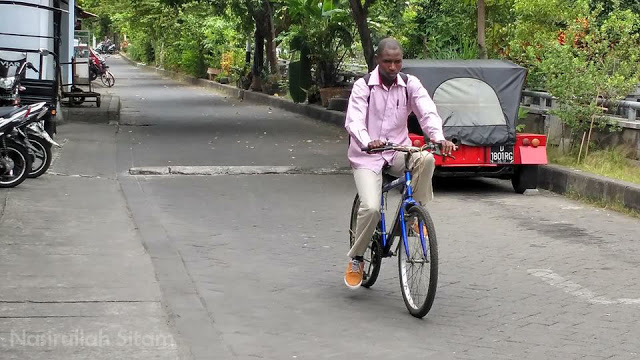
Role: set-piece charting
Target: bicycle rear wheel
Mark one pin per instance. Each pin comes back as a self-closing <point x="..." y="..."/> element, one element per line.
<point x="419" y="270"/>
<point x="373" y="255"/>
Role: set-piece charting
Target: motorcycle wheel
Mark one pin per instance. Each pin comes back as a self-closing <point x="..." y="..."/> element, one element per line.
<point x="17" y="157"/>
<point x="41" y="159"/>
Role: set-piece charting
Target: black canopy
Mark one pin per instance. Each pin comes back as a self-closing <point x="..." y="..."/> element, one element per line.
<point x="478" y="100"/>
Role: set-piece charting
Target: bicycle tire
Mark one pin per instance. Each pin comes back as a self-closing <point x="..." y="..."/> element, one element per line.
<point x="373" y="255"/>
<point x="418" y="304"/>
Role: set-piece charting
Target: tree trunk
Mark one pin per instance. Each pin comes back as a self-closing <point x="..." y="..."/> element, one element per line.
<point x="360" y="14"/>
<point x="270" y="36"/>
<point x="263" y="17"/>
<point x="482" y="14"/>
<point x="258" y="61"/>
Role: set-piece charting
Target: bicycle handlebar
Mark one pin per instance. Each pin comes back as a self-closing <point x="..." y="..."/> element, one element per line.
<point x="433" y="148"/>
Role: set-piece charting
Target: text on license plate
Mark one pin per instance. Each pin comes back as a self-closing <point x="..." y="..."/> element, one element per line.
<point x="501" y="155"/>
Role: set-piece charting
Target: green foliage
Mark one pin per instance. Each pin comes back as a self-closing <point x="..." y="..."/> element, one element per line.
<point x="326" y="30"/>
<point x="182" y="35"/>
<point x="594" y="63"/>
<point x="613" y="162"/>
<point x="300" y="77"/>
<point x="536" y="27"/>
<point x="439" y="29"/>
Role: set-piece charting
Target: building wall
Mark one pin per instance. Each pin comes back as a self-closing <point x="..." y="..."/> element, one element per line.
<point x="29" y="21"/>
<point x="32" y="21"/>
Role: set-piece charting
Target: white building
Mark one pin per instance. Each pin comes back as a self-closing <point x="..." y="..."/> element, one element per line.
<point x="44" y="21"/>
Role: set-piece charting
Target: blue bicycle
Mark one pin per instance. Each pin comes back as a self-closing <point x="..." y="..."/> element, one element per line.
<point x="417" y="251"/>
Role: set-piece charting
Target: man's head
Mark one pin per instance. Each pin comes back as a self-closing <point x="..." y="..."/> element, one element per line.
<point x="389" y="58"/>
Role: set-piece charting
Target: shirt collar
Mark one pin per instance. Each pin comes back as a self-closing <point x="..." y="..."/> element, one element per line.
<point x="374" y="79"/>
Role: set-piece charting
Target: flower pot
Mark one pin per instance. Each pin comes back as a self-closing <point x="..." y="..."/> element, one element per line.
<point x="271" y="88"/>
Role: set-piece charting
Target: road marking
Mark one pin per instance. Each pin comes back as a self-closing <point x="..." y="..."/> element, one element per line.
<point x="236" y="170"/>
<point x="56" y="154"/>
<point x="577" y="290"/>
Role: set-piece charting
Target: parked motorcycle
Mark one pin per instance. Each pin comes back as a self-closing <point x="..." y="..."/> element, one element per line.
<point x="15" y="160"/>
<point x="106" y="47"/>
<point x="98" y="67"/>
<point x="32" y="133"/>
<point x="28" y="132"/>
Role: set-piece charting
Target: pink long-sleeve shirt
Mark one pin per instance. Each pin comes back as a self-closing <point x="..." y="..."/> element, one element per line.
<point x="384" y="117"/>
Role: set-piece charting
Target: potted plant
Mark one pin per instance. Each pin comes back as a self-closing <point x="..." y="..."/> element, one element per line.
<point x="325" y="30"/>
<point x="313" y="94"/>
<point x="223" y="78"/>
<point x="271" y="84"/>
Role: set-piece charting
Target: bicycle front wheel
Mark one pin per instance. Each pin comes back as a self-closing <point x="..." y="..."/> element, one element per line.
<point x="418" y="262"/>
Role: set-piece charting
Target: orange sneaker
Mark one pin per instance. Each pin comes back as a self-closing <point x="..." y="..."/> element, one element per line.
<point x="353" y="274"/>
<point x="416" y="230"/>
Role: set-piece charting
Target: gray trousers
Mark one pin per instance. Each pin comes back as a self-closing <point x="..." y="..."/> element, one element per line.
<point x="369" y="186"/>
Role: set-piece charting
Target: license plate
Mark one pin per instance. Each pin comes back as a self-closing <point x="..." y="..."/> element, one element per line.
<point x="501" y="155"/>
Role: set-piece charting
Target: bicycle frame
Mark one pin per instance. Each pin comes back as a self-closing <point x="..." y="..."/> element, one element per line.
<point x="407" y="201"/>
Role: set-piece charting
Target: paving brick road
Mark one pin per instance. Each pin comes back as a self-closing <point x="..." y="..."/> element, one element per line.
<point x="521" y="277"/>
<point x="250" y="266"/>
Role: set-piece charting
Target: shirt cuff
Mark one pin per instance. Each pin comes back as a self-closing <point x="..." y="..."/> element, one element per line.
<point x="364" y="138"/>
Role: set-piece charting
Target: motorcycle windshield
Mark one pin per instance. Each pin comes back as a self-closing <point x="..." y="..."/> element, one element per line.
<point x="10" y="63"/>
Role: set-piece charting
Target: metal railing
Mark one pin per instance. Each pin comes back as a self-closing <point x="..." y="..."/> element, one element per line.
<point x="543" y="101"/>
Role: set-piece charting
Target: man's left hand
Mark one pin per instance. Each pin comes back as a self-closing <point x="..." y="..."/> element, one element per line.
<point x="447" y="147"/>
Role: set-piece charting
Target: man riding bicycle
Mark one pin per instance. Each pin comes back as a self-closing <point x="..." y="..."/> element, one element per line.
<point x="379" y="106"/>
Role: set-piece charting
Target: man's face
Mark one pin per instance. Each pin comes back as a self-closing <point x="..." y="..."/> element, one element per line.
<point x="390" y="63"/>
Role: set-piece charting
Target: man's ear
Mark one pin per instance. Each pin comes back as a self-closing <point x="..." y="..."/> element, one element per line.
<point x="375" y="59"/>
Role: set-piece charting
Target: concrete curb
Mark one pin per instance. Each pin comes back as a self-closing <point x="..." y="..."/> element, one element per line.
<point x="236" y="170"/>
<point x="108" y="112"/>
<point x="550" y="177"/>
<point x="563" y="180"/>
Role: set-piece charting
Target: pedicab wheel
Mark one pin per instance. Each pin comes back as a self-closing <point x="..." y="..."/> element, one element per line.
<point x="525" y="177"/>
<point x="98" y="101"/>
<point x="373" y="255"/>
<point x="419" y="270"/>
<point x="108" y="79"/>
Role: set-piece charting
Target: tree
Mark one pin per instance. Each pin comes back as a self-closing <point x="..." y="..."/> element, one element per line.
<point x="261" y="11"/>
<point x="590" y="67"/>
<point x="360" y="12"/>
<point x="481" y="23"/>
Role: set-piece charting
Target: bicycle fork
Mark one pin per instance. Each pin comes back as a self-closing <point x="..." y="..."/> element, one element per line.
<point x="400" y="218"/>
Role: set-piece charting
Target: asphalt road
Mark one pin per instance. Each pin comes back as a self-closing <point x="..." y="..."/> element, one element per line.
<point x="251" y="266"/>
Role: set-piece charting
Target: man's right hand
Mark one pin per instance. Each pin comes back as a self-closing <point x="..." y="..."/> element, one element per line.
<point x="376" y="144"/>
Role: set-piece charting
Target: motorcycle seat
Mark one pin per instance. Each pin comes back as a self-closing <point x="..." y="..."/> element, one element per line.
<point x="8" y="111"/>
